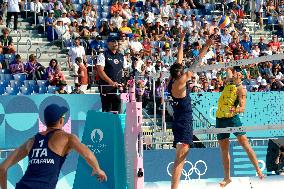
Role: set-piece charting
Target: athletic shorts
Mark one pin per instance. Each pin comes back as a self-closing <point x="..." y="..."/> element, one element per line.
<point x="182" y="131"/>
<point x="228" y="122"/>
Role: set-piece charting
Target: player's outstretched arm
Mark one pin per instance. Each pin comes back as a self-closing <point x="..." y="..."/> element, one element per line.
<point x="16" y="156"/>
<point x="88" y="155"/>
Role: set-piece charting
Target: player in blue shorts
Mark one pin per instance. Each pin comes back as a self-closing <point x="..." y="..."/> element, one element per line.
<point x="181" y="103"/>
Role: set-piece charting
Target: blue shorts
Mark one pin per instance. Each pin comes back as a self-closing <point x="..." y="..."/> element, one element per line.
<point x="182" y="131"/>
<point x="228" y="122"/>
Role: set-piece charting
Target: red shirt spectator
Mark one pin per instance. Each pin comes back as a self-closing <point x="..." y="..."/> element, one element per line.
<point x="275" y="44"/>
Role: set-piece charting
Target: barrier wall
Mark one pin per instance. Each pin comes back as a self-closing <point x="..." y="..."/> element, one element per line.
<point x="20" y="117"/>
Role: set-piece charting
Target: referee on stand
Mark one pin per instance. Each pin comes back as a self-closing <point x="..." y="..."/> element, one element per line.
<point x="110" y="65"/>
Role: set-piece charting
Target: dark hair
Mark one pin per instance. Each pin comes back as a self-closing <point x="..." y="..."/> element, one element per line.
<point x="78" y="59"/>
<point x="175" y="70"/>
<point x="77" y="38"/>
<point x="17" y="57"/>
<point x="32" y="57"/>
<point x="50" y="63"/>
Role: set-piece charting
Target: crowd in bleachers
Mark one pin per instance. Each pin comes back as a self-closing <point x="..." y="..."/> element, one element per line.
<point x="148" y="34"/>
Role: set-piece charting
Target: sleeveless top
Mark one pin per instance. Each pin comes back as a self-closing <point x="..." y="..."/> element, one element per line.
<point x="227" y="100"/>
<point x="181" y="106"/>
<point x="44" y="165"/>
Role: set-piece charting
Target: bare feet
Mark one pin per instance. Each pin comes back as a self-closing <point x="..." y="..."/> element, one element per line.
<point x="260" y="174"/>
<point x="225" y="182"/>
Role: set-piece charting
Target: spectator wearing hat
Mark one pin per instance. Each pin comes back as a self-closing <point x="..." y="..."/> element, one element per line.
<point x="123" y="43"/>
<point x="49" y="20"/>
<point x="126" y="12"/>
<point x="61" y="90"/>
<point x="13" y="10"/>
<point x="6" y="43"/>
<point x="77" y="89"/>
<point x="168" y="59"/>
<point x="110" y="65"/>
<point x="82" y="74"/>
<point x="116" y="22"/>
<point x="62" y="30"/>
<point x="135" y="19"/>
<point x="124" y="28"/>
<point x="116" y="8"/>
<point x="65" y="19"/>
<point x="157" y="29"/>
<point x="105" y="28"/>
<point x="263" y="86"/>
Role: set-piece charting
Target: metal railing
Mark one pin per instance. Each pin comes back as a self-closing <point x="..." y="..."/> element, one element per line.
<point x="38" y="53"/>
<point x="29" y="46"/>
<point x="19" y="37"/>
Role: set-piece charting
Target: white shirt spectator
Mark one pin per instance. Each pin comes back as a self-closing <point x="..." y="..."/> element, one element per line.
<point x="66" y="20"/>
<point x="75" y="52"/>
<point x="116" y="21"/>
<point x="136" y="46"/>
<point x="88" y="20"/>
<point x="226" y="39"/>
<point x="230" y="1"/>
<point x="63" y="32"/>
<point x="13" y="5"/>
<point x="166" y="10"/>
<point x="36" y="7"/>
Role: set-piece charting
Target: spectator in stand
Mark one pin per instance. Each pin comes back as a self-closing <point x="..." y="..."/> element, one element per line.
<point x="82" y="74"/>
<point x="124" y="28"/>
<point x="12" y="10"/>
<point x="85" y="17"/>
<point x="226" y="37"/>
<point x="105" y="28"/>
<point x="77" y="89"/>
<point x="66" y="21"/>
<point x="246" y="43"/>
<point x="62" y="31"/>
<point x="270" y="8"/>
<point x="126" y="12"/>
<point x="50" y="70"/>
<point x="61" y="90"/>
<point x="135" y="45"/>
<point x="36" y="7"/>
<point x="84" y="31"/>
<point x="262" y="46"/>
<point x="195" y="4"/>
<point x="116" y="22"/>
<point x="56" y="77"/>
<point x="70" y="9"/>
<point x="87" y="6"/>
<point x="116" y="8"/>
<point x="275" y="45"/>
<point x="34" y="69"/>
<point x="56" y="6"/>
<point x="239" y="25"/>
<point x="135" y="19"/>
<point x="213" y="26"/>
<point x="6" y="43"/>
<point x="76" y="51"/>
<point x="263" y="86"/>
<point x="168" y="59"/>
<point x="49" y="25"/>
<point x="17" y="66"/>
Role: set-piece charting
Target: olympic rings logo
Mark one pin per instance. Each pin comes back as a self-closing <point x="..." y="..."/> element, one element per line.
<point x="193" y="168"/>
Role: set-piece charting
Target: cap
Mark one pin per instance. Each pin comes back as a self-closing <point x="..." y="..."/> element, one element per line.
<point x="104" y="20"/>
<point x="59" y="20"/>
<point x="64" y="11"/>
<point x="53" y="112"/>
<point x="51" y="11"/>
<point x="148" y="21"/>
<point x="178" y="15"/>
<point x="127" y="51"/>
<point x="75" y="20"/>
<point x="125" y="3"/>
<point x="136" y="14"/>
<point x="244" y="28"/>
<point x="112" y="38"/>
<point x="158" y="20"/>
<point x="136" y="35"/>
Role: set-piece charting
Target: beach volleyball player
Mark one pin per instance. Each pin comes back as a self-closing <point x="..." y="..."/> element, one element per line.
<point x="47" y="152"/>
<point x="181" y="103"/>
<point x="231" y="103"/>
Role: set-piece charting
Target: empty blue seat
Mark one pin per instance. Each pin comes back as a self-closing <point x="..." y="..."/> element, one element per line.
<point x="12" y="90"/>
<point x="2" y="90"/>
<point x="14" y="83"/>
<point x="20" y="77"/>
<point x="25" y="91"/>
<point x="52" y="89"/>
<point x="41" y="82"/>
<point x="4" y="83"/>
<point x="7" y="77"/>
